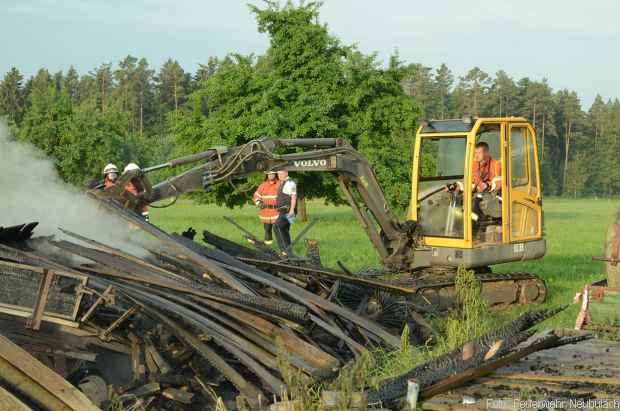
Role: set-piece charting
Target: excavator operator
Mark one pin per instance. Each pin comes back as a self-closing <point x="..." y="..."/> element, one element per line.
<point x="486" y="177"/>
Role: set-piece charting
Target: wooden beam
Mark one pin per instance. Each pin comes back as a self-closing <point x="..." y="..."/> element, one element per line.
<point x="38" y="382"/>
<point x="34" y="322"/>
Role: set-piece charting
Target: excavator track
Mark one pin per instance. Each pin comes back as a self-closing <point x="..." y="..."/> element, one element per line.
<point x="432" y="288"/>
<point x="435" y="287"/>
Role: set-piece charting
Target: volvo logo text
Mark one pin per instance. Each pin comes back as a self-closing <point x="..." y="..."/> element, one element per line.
<point x="310" y="163"/>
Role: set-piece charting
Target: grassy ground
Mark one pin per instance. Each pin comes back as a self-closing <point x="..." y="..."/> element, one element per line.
<point x="575" y="231"/>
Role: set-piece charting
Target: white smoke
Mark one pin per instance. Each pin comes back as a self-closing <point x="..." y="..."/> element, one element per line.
<point x="31" y="190"/>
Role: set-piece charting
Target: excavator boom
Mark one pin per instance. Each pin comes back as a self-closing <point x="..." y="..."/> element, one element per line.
<point x="393" y="240"/>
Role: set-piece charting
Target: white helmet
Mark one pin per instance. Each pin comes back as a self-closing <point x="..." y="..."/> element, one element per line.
<point x="131" y="167"/>
<point x="110" y="168"/>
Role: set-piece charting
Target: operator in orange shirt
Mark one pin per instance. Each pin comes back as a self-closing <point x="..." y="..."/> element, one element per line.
<point x="486" y="176"/>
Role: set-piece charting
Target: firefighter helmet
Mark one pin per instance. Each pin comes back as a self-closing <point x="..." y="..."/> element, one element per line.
<point x="110" y="168"/>
<point x="131" y="167"/>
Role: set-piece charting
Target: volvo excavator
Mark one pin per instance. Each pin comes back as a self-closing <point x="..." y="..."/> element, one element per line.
<point x="440" y="233"/>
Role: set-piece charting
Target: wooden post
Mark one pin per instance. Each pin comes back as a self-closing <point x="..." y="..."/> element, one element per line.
<point x="356" y="400"/>
<point x="413" y="389"/>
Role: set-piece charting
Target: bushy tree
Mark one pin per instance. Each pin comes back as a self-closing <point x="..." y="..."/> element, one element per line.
<point x="12" y="104"/>
<point x="307" y="85"/>
<point x="94" y="138"/>
<point x="48" y="114"/>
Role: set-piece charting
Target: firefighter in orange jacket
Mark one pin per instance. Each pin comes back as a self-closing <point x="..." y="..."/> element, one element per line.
<point x="131" y="188"/>
<point x="265" y="198"/>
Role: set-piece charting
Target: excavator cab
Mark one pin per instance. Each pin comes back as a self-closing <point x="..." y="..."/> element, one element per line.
<point x="463" y="225"/>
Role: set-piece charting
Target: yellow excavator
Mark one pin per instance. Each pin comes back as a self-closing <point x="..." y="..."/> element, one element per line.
<point x="441" y="232"/>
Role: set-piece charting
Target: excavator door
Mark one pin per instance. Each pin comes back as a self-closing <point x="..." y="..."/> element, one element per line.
<point x="524" y="205"/>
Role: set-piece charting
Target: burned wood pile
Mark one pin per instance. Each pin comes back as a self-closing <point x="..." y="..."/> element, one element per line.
<point x="183" y="326"/>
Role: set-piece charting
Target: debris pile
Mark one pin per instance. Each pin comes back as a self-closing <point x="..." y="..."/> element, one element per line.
<point x="186" y="326"/>
<point x="184" y="323"/>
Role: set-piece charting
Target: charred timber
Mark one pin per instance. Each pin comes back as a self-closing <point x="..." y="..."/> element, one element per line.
<point x="393" y="390"/>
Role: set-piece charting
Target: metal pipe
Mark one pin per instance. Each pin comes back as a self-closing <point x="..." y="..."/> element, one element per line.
<point x="311" y="142"/>
<point x="205" y="155"/>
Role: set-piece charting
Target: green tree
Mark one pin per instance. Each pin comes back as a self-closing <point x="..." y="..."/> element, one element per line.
<point x="502" y="96"/>
<point x="48" y="113"/>
<point x="205" y="71"/>
<point x="104" y="86"/>
<point x="475" y="86"/>
<point x="307" y="85"/>
<point x="577" y="174"/>
<point x="94" y="138"/>
<point x="569" y="113"/>
<point x="538" y="107"/>
<point x="135" y="92"/>
<point x="12" y="103"/>
<point x="418" y="84"/>
<point x="171" y="86"/>
<point x="72" y="85"/>
<point x="444" y="80"/>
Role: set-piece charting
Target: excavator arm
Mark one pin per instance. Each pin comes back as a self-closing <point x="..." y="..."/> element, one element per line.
<point x="393" y="240"/>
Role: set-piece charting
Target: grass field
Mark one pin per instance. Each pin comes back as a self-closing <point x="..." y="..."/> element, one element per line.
<point x="575" y="231"/>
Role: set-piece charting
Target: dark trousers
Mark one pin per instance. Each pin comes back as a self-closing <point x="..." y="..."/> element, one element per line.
<point x="268" y="231"/>
<point x="475" y="206"/>
<point x="284" y="236"/>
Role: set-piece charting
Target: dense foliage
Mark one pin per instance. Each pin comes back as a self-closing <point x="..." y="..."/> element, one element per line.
<point x="307" y="84"/>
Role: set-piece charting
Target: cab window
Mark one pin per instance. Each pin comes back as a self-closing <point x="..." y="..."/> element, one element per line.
<point x="532" y="160"/>
<point x="442" y="162"/>
<point x="519" y="157"/>
<point x="491" y="134"/>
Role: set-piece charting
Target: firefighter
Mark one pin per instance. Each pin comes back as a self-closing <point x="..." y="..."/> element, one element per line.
<point x="131" y="188"/>
<point x="110" y="174"/>
<point x="286" y="203"/>
<point x="265" y="199"/>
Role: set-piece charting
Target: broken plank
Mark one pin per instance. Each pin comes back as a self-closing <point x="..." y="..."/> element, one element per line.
<point x="210" y="266"/>
<point x="38" y="381"/>
<point x="178" y="395"/>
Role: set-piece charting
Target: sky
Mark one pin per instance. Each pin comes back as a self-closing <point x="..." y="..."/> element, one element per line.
<point x="572" y="43"/>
